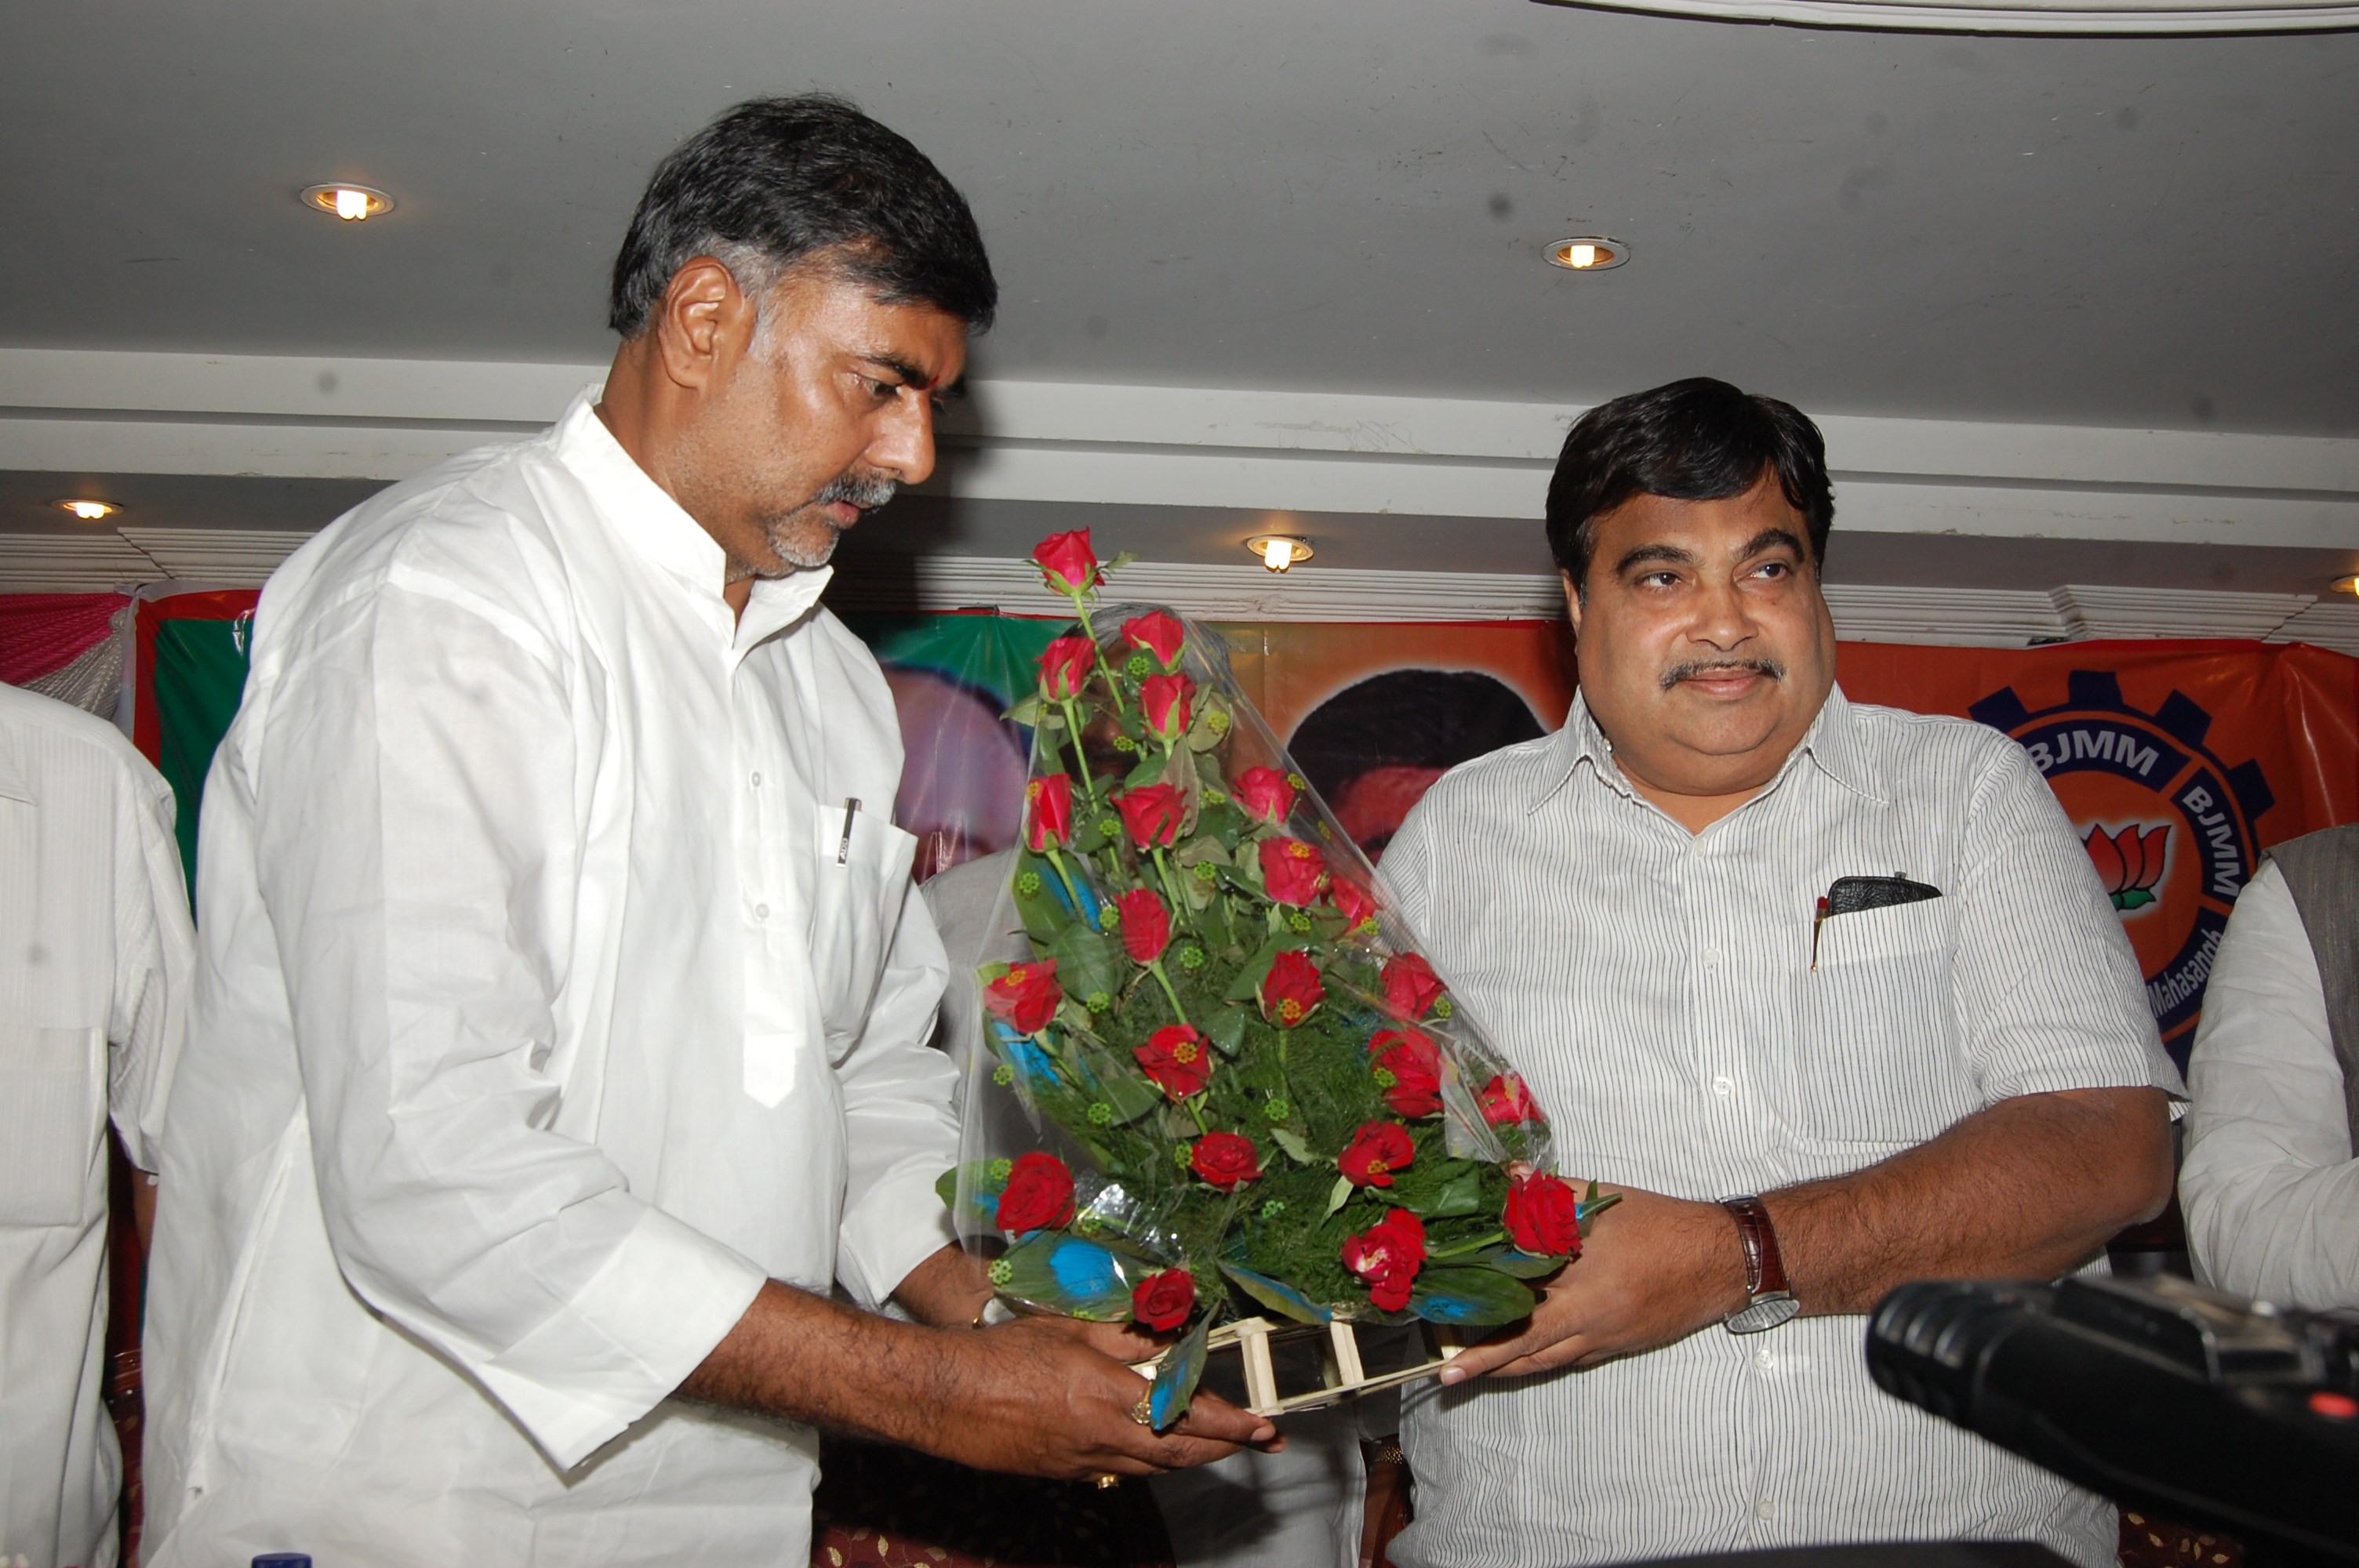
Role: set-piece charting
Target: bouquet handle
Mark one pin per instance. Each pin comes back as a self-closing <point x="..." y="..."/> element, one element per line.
<point x="1342" y="1375"/>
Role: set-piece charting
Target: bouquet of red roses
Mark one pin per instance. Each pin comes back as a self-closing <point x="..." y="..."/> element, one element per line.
<point x="1246" y="1091"/>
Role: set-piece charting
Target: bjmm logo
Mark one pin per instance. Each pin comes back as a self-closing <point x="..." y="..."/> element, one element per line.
<point x="2169" y="825"/>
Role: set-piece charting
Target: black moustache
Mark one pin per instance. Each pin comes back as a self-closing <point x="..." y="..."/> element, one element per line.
<point x="1679" y="673"/>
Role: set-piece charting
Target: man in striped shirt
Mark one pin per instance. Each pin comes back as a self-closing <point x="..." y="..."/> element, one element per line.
<point x="1831" y="995"/>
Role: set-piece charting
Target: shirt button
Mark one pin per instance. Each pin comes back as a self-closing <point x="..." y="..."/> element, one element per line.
<point x="1763" y="1359"/>
<point x="1712" y="957"/>
<point x="1723" y="1085"/>
<point x="1764" y="1509"/>
<point x="761" y="912"/>
<point x="757" y="781"/>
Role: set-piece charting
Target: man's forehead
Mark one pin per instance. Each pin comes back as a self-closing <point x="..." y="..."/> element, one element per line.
<point x="921" y="342"/>
<point x="1740" y="522"/>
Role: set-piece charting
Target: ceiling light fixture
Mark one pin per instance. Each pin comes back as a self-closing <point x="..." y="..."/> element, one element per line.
<point x="1279" y="551"/>
<point x="1588" y="253"/>
<point x="91" y="511"/>
<point x="2346" y="585"/>
<point x="351" y="202"/>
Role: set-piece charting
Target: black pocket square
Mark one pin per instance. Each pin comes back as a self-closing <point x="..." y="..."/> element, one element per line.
<point x="1849" y="895"/>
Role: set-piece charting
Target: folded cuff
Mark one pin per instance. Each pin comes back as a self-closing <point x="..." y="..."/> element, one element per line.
<point x="646" y="1320"/>
<point x="898" y="1224"/>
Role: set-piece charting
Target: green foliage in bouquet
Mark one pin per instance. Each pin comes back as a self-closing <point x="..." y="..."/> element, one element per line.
<point x="1268" y="1104"/>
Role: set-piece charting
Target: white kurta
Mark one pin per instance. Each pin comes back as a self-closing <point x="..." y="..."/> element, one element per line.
<point x="539" y="1020"/>
<point x="94" y="959"/>
<point x="2269" y="1183"/>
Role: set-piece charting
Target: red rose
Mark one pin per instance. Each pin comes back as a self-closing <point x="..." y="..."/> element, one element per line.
<point x="1351" y="901"/>
<point x="1378" y="1148"/>
<point x="1067" y="563"/>
<point x="1039" y="1195"/>
<point x="1166" y="702"/>
<point x="1152" y="813"/>
<point x="1265" y="794"/>
<point x="1145" y="925"/>
<point x="1387" y="1255"/>
<point x="1291" y="989"/>
<point x="1411" y="986"/>
<point x="1158" y="634"/>
<point x="1415" y="1068"/>
<point x="1543" y="1217"/>
<point x="1291" y="870"/>
<point x="1050" y="797"/>
<point x="1506" y="1099"/>
<point x="1164" y="1300"/>
<point x="1026" y="996"/>
<point x="1065" y="666"/>
<point x="1175" y="1056"/>
<point x="1226" y="1160"/>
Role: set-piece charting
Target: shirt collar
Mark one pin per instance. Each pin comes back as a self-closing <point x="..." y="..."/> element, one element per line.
<point x="1832" y="743"/>
<point x="672" y="541"/>
<point x="1580" y="740"/>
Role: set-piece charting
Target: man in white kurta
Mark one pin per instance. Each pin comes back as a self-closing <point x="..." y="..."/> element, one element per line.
<point x="94" y="959"/>
<point x="540" y="937"/>
<point x="561" y="1030"/>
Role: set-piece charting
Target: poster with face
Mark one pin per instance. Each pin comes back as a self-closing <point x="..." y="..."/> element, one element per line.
<point x="1374" y="713"/>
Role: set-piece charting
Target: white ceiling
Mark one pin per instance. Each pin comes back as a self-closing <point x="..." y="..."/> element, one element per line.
<point x="2146" y="235"/>
<point x="1345" y="195"/>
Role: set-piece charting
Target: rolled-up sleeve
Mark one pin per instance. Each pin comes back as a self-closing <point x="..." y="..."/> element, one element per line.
<point x="2049" y="994"/>
<point x="421" y="890"/>
<point x="900" y="1132"/>
<point x="2269" y="1185"/>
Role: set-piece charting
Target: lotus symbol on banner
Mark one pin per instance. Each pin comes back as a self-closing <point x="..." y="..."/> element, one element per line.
<point x="2129" y="862"/>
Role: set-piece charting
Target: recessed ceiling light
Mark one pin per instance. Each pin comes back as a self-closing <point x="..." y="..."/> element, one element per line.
<point x="1279" y="551"/>
<point x="1588" y="253"/>
<point x="351" y="202"/>
<point x="91" y="511"/>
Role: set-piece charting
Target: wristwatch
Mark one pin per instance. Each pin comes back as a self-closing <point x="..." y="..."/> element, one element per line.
<point x="1768" y="1301"/>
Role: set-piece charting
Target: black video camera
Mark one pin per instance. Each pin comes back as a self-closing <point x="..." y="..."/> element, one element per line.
<point x="2155" y="1392"/>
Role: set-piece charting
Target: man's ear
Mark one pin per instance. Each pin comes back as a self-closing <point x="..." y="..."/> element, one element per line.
<point x="703" y="322"/>
<point x="1571" y="599"/>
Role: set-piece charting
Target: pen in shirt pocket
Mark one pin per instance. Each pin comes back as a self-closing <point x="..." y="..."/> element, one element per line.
<point x="844" y="849"/>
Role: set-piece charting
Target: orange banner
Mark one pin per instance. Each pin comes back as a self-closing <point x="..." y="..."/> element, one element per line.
<point x="2179" y="764"/>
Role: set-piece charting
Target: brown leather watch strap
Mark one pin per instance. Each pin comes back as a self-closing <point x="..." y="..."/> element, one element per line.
<point x="1765" y="1271"/>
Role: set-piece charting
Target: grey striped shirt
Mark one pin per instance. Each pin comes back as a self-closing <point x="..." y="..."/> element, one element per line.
<point x="1656" y="990"/>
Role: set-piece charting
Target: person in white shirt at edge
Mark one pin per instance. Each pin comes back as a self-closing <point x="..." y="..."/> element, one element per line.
<point x="560" y="1029"/>
<point x="2269" y="1183"/>
<point x="95" y="954"/>
<point x="1305" y="1506"/>
<point x="1965" y="1085"/>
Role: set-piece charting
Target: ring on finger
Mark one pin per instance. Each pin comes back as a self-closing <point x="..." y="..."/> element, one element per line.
<point x="1108" y="1482"/>
<point x="1143" y="1412"/>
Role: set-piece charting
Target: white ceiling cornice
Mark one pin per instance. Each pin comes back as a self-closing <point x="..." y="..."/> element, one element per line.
<point x="1260" y="450"/>
<point x="1995" y="618"/>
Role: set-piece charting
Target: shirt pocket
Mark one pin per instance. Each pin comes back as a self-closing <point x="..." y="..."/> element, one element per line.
<point x="52" y="1114"/>
<point x="1878" y="1060"/>
<point x="856" y="901"/>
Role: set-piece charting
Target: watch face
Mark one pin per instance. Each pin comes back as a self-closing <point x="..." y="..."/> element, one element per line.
<point x="1766" y="1311"/>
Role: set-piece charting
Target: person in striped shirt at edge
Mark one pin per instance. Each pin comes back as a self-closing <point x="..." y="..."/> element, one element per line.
<point x="1829" y="992"/>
